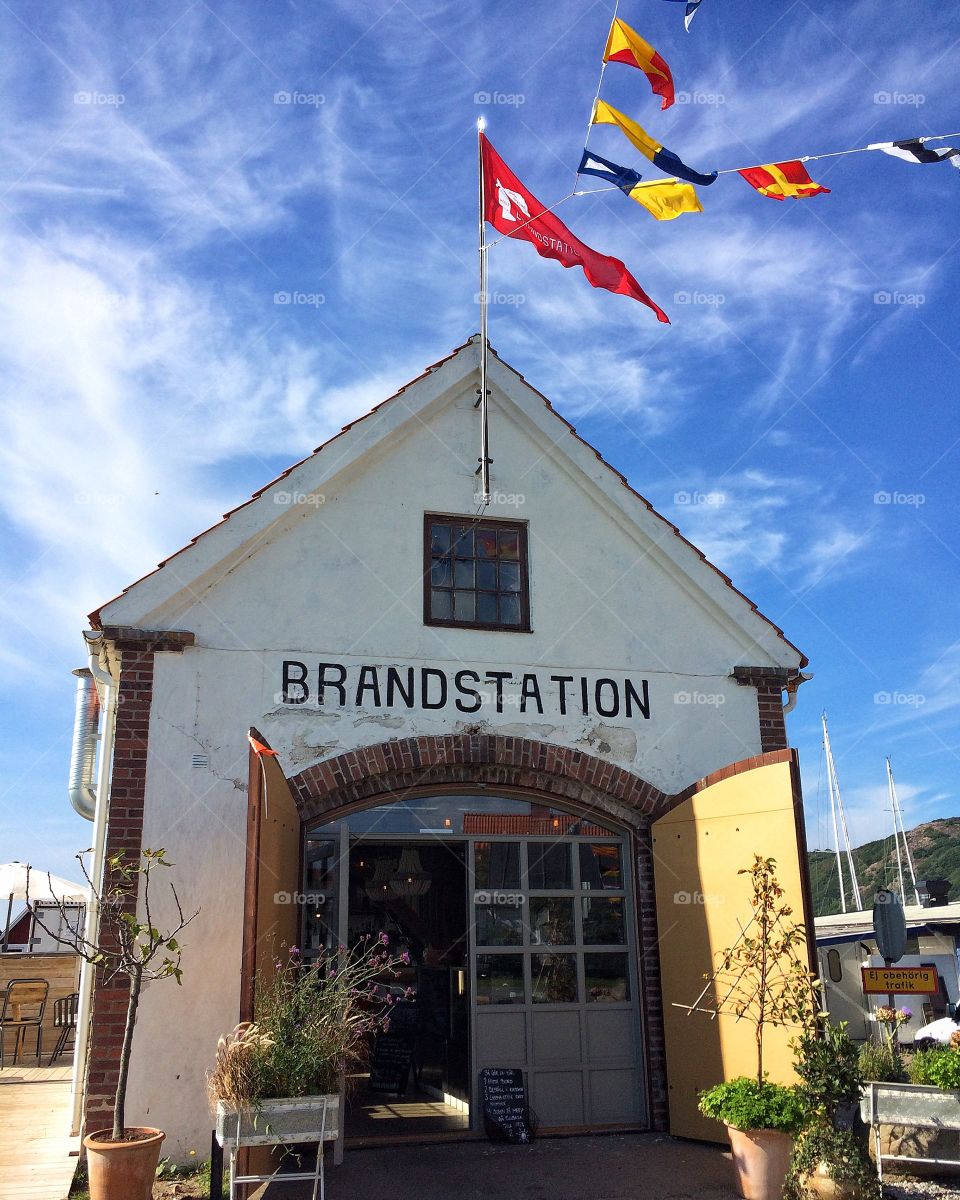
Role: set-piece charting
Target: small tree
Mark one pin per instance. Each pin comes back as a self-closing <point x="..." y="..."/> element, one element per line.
<point x="125" y="945"/>
<point x="761" y="978"/>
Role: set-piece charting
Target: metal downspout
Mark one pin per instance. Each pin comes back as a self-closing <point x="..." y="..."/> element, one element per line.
<point x="107" y="690"/>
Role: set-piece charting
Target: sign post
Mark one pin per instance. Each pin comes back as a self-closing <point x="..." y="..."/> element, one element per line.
<point x="890" y="929"/>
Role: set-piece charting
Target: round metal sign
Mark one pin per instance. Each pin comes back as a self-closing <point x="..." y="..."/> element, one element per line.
<point x="889" y="925"/>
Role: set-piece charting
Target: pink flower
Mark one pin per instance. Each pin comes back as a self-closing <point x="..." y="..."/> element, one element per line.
<point x="384" y="939"/>
<point x="405" y="958"/>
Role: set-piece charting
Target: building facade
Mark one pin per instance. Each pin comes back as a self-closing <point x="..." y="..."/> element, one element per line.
<point x="506" y="735"/>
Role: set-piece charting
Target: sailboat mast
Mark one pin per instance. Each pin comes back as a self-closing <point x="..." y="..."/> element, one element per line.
<point x="833" y="813"/>
<point x="832" y="773"/>
<point x="896" y="831"/>
<point x="898" y="817"/>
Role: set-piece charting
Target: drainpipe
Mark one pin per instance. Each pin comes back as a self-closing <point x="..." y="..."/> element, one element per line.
<point x="105" y="688"/>
<point x="83" y="752"/>
<point x="792" y="688"/>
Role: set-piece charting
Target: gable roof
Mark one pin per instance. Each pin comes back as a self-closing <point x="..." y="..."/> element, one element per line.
<point x="465" y="357"/>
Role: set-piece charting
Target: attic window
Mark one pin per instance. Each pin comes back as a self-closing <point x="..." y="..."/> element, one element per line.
<point x="475" y="574"/>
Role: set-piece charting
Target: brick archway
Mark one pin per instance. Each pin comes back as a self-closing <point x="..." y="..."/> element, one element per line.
<point x="411" y="764"/>
<point x="408" y="763"/>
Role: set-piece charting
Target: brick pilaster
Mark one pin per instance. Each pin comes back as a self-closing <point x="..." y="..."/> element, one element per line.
<point x="124" y="835"/>
<point x="137" y="649"/>
<point x="770" y="683"/>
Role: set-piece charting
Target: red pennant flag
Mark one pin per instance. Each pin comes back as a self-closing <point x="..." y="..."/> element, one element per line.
<point x="514" y="211"/>
<point x="259" y="748"/>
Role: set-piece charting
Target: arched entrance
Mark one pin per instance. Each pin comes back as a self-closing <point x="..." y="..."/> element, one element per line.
<point x="518" y="876"/>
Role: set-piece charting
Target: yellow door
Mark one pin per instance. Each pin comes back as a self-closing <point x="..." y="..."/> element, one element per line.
<point x="752" y="807"/>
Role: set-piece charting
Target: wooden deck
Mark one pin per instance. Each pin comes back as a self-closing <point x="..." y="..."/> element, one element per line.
<point x="37" y="1156"/>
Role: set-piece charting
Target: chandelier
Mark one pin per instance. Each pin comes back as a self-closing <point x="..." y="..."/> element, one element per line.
<point x="377" y="886"/>
<point x="410" y="878"/>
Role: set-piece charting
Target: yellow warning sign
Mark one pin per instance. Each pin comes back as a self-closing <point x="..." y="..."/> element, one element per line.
<point x="903" y="981"/>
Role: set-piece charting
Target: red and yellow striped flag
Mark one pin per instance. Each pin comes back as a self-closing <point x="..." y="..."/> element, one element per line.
<point x="625" y="45"/>
<point x="780" y="180"/>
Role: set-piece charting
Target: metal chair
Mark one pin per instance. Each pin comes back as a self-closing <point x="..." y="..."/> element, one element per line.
<point x="24" y="1003"/>
<point x="64" y="1019"/>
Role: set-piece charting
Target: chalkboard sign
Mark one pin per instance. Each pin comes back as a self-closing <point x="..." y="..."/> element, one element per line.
<point x="433" y="1001"/>
<point x="390" y="1063"/>
<point x="503" y="1097"/>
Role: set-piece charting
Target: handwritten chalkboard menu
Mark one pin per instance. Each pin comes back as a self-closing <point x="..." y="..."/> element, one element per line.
<point x="390" y="1063"/>
<point x="503" y="1097"/>
<point x="392" y="1055"/>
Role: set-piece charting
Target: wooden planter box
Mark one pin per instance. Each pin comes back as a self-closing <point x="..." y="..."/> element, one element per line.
<point x="275" y="1122"/>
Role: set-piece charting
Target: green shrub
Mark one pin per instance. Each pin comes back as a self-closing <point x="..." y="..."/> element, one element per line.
<point x="828" y="1063"/>
<point x="939" y="1067"/>
<point x="746" y="1104"/>
<point x="880" y="1062"/>
<point x="839" y="1151"/>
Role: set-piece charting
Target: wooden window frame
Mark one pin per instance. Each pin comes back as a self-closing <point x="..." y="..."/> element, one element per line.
<point x="520" y="528"/>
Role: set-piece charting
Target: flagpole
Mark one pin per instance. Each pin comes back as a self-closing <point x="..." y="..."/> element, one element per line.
<point x="484" y="424"/>
<point x="603" y="67"/>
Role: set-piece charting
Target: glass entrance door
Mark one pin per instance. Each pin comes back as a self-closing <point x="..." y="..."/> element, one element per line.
<point x="523" y="950"/>
<point x="554" y="985"/>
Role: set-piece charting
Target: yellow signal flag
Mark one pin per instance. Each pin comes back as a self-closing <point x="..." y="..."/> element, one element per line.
<point x="666" y="200"/>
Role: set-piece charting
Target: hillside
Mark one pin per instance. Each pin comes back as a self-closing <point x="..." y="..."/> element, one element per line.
<point x="935" y="847"/>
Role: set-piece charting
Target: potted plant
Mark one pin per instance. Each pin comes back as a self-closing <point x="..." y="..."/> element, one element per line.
<point x="122" y="1160"/>
<point x="763" y="981"/>
<point x="828" y="1160"/>
<point x="279" y="1078"/>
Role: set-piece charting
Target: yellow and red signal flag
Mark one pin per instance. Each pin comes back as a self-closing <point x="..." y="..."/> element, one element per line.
<point x="513" y="210"/>
<point x="780" y="180"/>
<point x="625" y="45"/>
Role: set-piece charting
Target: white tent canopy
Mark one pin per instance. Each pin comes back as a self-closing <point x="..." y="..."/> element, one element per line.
<point x="43" y="887"/>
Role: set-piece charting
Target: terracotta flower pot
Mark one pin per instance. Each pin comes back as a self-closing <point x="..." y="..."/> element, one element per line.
<point x="123" y="1170"/>
<point x="761" y="1159"/>
<point x="820" y="1183"/>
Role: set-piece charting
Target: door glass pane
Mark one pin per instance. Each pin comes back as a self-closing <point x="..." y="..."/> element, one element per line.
<point x="440" y="572"/>
<point x="554" y="978"/>
<point x="600" y="867"/>
<point x="497" y="864"/>
<point x="549" y="865"/>
<point x="320" y="862"/>
<point x="440" y="539"/>
<point x="606" y="978"/>
<point x="551" y="921"/>
<point x="500" y="979"/>
<point x="498" y="925"/>
<point x="602" y="921"/>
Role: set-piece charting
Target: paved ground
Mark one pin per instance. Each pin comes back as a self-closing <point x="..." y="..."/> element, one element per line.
<point x="617" y="1167"/>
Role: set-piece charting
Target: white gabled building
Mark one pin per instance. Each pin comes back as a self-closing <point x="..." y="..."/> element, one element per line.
<point x="517" y="694"/>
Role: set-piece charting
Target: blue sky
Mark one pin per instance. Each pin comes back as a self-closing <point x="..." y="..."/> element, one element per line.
<point x="157" y="194"/>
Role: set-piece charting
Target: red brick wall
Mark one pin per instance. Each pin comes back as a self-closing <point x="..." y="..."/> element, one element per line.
<point x="124" y="833"/>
